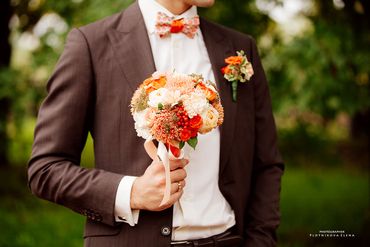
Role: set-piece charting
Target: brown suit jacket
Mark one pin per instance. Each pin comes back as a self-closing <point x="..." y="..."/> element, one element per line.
<point x="90" y="91"/>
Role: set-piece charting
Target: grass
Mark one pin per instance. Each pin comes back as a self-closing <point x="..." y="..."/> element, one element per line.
<point x="323" y="199"/>
<point x="28" y="221"/>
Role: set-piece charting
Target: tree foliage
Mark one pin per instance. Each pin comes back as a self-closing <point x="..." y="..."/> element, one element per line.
<point x="325" y="70"/>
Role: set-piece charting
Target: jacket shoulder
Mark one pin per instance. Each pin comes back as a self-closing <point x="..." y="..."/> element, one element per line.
<point x="100" y="27"/>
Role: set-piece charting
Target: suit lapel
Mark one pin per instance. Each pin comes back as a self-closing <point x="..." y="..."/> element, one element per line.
<point x="219" y="47"/>
<point x="131" y="46"/>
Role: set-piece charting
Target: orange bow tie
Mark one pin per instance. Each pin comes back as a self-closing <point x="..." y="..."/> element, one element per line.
<point x="166" y="25"/>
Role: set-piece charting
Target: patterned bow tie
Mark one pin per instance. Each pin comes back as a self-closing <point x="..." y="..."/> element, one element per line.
<point x="166" y="25"/>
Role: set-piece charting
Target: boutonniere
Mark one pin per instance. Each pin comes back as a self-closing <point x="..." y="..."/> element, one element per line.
<point x="238" y="69"/>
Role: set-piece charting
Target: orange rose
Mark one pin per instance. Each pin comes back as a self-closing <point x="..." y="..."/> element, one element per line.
<point x="151" y="84"/>
<point x="234" y="60"/>
<point x="147" y="81"/>
<point x="196" y="122"/>
<point x="158" y="83"/>
<point x="210" y="94"/>
<point x="149" y="89"/>
<point x="177" y="26"/>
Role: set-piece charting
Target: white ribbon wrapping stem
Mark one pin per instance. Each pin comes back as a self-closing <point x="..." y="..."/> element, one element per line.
<point x="163" y="155"/>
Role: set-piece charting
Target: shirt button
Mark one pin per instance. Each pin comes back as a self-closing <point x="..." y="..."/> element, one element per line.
<point x="165" y="231"/>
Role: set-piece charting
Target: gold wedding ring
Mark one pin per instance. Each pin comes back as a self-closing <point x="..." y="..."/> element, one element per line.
<point x="179" y="186"/>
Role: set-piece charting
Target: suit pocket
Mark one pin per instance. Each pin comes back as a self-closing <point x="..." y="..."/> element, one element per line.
<point x="95" y="229"/>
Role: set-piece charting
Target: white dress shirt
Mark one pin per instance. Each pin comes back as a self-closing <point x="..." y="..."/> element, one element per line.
<point x="202" y="211"/>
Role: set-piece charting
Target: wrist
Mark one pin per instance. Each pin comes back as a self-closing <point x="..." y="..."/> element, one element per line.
<point x="134" y="200"/>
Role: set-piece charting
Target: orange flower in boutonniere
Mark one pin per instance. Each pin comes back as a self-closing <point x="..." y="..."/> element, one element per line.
<point x="238" y="69"/>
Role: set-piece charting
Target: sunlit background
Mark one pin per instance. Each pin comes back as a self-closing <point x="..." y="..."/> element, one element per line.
<point x="316" y="55"/>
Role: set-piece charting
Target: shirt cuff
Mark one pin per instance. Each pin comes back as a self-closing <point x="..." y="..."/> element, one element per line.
<point x="122" y="208"/>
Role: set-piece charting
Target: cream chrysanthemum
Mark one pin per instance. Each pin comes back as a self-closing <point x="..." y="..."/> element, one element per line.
<point x="195" y="103"/>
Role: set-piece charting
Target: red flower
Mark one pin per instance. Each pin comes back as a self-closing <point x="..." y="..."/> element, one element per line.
<point x="175" y="151"/>
<point x="196" y="122"/>
<point x="194" y="133"/>
<point x="226" y="70"/>
<point x="185" y="135"/>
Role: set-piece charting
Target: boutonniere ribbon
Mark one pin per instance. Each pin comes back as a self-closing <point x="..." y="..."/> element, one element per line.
<point x="238" y="69"/>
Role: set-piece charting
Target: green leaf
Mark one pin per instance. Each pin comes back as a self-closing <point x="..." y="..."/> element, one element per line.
<point x="181" y="145"/>
<point x="160" y="106"/>
<point x="193" y="142"/>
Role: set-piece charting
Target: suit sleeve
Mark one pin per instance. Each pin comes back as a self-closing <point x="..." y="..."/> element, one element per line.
<point x="263" y="214"/>
<point x="63" y="123"/>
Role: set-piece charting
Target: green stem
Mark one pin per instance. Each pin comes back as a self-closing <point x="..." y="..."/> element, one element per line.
<point x="234" y="86"/>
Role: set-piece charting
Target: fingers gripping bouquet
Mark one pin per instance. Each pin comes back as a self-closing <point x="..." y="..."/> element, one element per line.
<point x="173" y="109"/>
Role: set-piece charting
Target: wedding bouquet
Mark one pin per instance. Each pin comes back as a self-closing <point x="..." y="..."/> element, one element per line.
<point x="173" y="109"/>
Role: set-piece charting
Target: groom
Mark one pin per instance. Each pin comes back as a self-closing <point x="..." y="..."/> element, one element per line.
<point x="226" y="194"/>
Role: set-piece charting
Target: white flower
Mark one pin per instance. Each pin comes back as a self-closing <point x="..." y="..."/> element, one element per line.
<point x="157" y="97"/>
<point x="172" y="97"/>
<point x="195" y="103"/>
<point x="142" y="124"/>
<point x="163" y="96"/>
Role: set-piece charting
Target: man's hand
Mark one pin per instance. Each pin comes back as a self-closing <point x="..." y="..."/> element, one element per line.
<point x="147" y="191"/>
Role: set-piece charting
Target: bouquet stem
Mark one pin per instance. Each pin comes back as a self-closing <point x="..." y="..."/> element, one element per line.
<point x="234" y="86"/>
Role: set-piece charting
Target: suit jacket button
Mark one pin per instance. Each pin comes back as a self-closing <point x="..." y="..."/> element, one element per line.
<point x="165" y="231"/>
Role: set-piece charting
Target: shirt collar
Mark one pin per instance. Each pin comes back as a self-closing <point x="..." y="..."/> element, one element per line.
<point x="150" y="8"/>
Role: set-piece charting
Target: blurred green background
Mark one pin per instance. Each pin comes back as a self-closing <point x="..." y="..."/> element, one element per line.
<point x="316" y="55"/>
